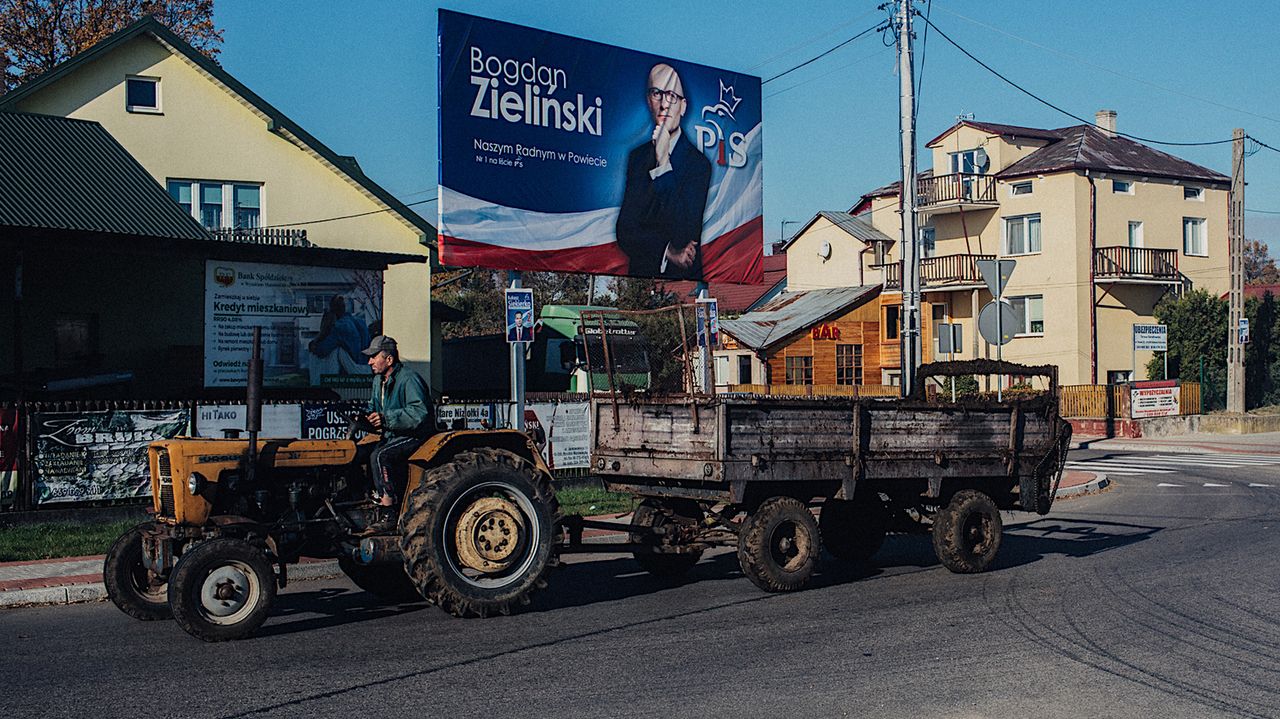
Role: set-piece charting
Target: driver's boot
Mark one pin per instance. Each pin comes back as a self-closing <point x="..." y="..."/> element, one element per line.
<point x="385" y="521"/>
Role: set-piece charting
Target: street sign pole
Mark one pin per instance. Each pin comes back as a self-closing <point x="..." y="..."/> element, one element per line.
<point x="517" y="369"/>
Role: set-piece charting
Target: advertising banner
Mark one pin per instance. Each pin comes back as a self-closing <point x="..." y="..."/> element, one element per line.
<point x="1151" y="338"/>
<point x="466" y="416"/>
<point x="563" y="432"/>
<point x="10" y="447"/>
<point x="329" y="420"/>
<point x="278" y="420"/>
<point x="1154" y="399"/>
<point x="315" y="321"/>
<point x="88" y="456"/>
<point x="568" y="155"/>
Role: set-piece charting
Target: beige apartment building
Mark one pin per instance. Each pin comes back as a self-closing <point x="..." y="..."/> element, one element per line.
<point x="1101" y="228"/>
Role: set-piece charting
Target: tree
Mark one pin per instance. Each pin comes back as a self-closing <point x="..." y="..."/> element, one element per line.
<point x="36" y="35"/>
<point x="1259" y="267"/>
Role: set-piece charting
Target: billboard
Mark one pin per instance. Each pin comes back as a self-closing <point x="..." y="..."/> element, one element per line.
<point x="569" y="155"/>
<point x="98" y="455"/>
<point x="315" y="321"/>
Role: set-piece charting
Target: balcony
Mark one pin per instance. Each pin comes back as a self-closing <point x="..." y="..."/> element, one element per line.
<point x="282" y="237"/>
<point x="1135" y="265"/>
<point x="941" y="194"/>
<point x="945" y="272"/>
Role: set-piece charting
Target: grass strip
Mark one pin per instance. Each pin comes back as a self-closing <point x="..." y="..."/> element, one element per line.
<point x="589" y="501"/>
<point x="53" y="540"/>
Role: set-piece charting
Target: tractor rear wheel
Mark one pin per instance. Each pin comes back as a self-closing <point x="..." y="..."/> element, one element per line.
<point x="477" y="533"/>
<point x="133" y="588"/>
<point x="222" y="589"/>
<point x="967" y="532"/>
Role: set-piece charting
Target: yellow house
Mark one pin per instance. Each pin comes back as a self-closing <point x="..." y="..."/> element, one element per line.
<point x="1101" y="228"/>
<point x="238" y="164"/>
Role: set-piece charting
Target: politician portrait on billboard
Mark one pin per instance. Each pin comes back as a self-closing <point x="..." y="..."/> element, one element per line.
<point x="568" y="155"/>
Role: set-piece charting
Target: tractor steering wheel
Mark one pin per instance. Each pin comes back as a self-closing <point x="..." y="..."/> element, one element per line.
<point x="358" y="423"/>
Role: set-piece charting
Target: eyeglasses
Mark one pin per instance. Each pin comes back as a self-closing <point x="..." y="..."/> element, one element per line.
<point x="668" y="95"/>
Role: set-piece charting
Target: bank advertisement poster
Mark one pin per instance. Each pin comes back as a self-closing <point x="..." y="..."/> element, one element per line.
<point x="315" y="321"/>
<point x="89" y="456"/>
<point x="568" y="155"/>
<point x="10" y="447"/>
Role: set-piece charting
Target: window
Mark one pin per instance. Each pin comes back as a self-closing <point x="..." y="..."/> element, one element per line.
<point x="721" y="369"/>
<point x="1032" y="309"/>
<point x="1119" y="376"/>
<point x="1193" y="237"/>
<point x="75" y="339"/>
<point x="892" y="320"/>
<point x="744" y="369"/>
<point x="928" y="242"/>
<point x="938" y="312"/>
<point x="1135" y="233"/>
<point x="800" y="369"/>
<point x="219" y="205"/>
<point x="1022" y="235"/>
<point x="1193" y="193"/>
<point x="848" y="364"/>
<point x="965" y="162"/>
<point x="1020" y="188"/>
<point x="142" y="94"/>
<point x="1122" y="187"/>
<point x="881" y="252"/>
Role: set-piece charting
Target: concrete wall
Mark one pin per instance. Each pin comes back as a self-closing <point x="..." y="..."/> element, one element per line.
<point x="206" y="133"/>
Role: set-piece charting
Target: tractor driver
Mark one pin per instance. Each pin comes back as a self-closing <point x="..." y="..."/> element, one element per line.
<point x="400" y="407"/>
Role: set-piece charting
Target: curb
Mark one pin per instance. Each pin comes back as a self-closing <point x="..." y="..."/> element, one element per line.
<point x="96" y="592"/>
<point x="1098" y="484"/>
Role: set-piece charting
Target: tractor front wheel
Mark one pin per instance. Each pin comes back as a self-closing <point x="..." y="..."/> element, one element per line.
<point x="222" y="589"/>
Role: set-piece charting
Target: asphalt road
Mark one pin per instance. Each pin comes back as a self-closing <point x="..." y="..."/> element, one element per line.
<point x="1144" y="601"/>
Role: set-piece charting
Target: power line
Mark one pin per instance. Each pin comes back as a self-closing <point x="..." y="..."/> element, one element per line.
<point x="1104" y="68"/>
<point x="1262" y="212"/>
<point x="813" y="39"/>
<point x="821" y="55"/>
<point x="346" y="217"/>
<point x="924" y="48"/>
<point x="1045" y="102"/>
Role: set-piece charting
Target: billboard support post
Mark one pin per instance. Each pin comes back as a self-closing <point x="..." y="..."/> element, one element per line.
<point x="517" y="368"/>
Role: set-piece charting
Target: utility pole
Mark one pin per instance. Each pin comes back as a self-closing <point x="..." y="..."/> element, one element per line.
<point x="1235" y="239"/>
<point x="910" y="335"/>
<point x="516" y="419"/>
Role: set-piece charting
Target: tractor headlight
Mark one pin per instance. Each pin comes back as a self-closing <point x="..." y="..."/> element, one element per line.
<point x="196" y="484"/>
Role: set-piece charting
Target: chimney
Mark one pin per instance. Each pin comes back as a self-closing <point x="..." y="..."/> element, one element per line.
<point x="777" y="247"/>
<point x="1106" y="121"/>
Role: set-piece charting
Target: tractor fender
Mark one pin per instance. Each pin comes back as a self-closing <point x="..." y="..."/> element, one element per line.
<point x="442" y="447"/>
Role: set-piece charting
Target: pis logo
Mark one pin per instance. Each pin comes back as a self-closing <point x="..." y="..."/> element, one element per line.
<point x="224" y="276"/>
<point x="730" y="149"/>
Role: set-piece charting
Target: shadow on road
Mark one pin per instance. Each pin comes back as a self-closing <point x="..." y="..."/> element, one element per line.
<point x="328" y="607"/>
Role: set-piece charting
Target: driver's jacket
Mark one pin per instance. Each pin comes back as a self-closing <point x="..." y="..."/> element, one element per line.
<point x="404" y="403"/>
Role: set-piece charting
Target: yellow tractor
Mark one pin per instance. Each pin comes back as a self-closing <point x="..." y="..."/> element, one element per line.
<point x="475" y="530"/>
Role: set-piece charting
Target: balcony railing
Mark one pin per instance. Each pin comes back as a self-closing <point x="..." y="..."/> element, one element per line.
<point x="938" y="272"/>
<point x="264" y="236"/>
<point x="957" y="189"/>
<point x="1138" y="264"/>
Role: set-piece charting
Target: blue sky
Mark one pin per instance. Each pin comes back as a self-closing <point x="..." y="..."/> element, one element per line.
<point x="361" y="76"/>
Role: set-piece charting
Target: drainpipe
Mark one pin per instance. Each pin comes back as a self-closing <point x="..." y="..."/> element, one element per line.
<point x="1093" y="289"/>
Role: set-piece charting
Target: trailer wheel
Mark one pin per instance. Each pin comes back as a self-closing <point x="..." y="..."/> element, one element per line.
<point x="967" y="533"/>
<point x="477" y="533"/>
<point x="854" y="530"/>
<point x="387" y="582"/>
<point x="668" y="514"/>
<point x="132" y="587"/>
<point x="222" y="589"/>
<point x="778" y="545"/>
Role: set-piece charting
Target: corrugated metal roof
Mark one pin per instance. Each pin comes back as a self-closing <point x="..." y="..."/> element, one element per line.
<point x="63" y="174"/>
<point x="793" y="312"/>
<point x="852" y="224"/>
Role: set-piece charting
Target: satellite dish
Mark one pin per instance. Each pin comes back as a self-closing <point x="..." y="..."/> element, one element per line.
<point x="981" y="159"/>
<point x="824" y="251"/>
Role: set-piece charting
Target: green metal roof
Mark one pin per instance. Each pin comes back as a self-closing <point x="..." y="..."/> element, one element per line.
<point x="277" y="122"/>
<point x="72" y="175"/>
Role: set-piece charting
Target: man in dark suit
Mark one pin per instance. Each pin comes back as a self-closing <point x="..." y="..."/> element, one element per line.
<point x="660" y="224"/>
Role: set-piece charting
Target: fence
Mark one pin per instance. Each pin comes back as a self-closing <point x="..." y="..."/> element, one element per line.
<point x="1090" y="401"/>
<point x="817" y="390"/>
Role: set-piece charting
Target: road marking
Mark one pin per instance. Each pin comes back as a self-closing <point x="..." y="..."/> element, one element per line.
<point x="1115" y="464"/>
<point x="1259" y="484"/>
<point x="1214" y="484"/>
<point x="1168" y="484"/>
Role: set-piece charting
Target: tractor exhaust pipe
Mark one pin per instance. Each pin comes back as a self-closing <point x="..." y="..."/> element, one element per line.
<point x="253" y="404"/>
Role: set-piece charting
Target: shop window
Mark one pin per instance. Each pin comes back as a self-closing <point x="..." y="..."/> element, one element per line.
<point x="848" y="364"/>
<point x="799" y="369"/>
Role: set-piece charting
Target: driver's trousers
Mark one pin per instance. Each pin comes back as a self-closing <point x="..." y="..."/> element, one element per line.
<point x="389" y="464"/>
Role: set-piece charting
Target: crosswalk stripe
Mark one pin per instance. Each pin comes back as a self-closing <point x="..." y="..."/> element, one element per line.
<point x="1168" y="484"/>
<point x="1214" y="484"/>
<point x="1211" y="458"/>
<point x="1113" y="470"/>
<point x="1105" y="464"/>
<point x="1260" y="484"/>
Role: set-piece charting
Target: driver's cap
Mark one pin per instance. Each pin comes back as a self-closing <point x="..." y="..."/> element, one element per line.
<point x="381" y="343"/>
